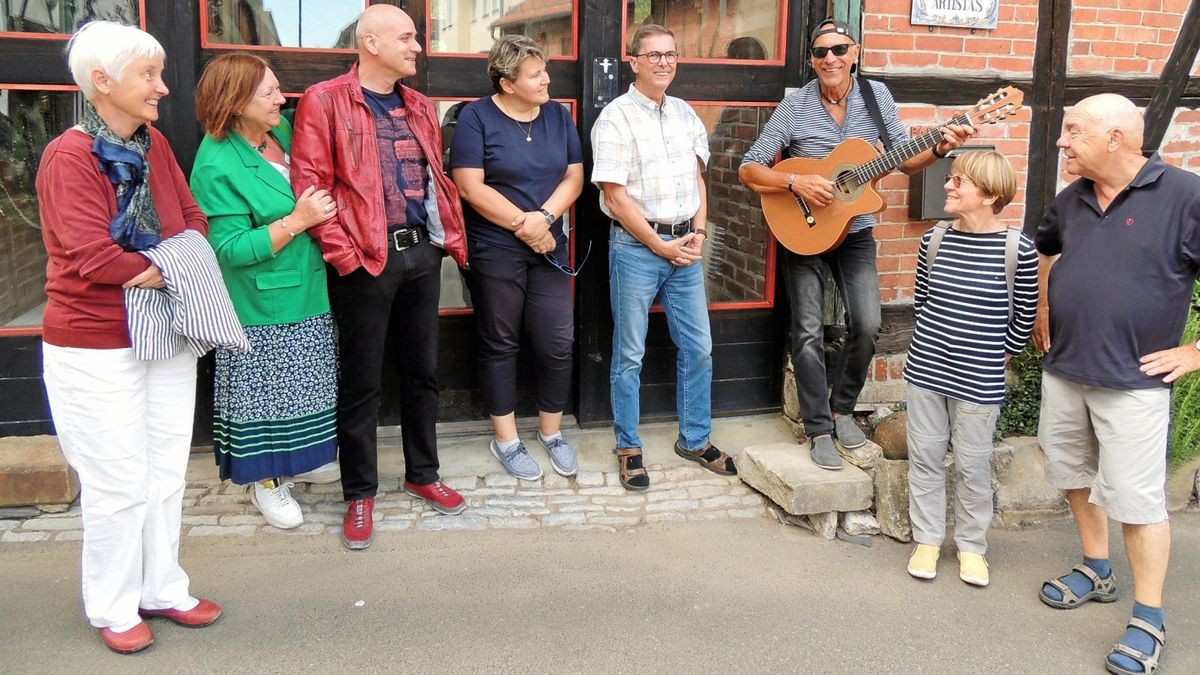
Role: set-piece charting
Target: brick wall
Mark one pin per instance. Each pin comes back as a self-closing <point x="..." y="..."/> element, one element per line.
<point x="1109" y="37"/>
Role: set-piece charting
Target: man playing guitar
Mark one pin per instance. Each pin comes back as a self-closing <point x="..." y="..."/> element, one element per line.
<point x="811" y="122"/>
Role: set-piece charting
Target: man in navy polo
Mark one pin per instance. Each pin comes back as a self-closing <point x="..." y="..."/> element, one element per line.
<point x="1120" y="253"/>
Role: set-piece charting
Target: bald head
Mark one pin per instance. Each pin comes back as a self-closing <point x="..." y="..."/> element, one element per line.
<point x="1113" y="112"/>
<point x="378" y="19"/>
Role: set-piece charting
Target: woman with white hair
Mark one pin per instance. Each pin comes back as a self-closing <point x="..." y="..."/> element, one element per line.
<point x="109" y="188"/>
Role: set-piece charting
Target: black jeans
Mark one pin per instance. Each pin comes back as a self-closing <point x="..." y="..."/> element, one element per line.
<point x="853" y="268"/>
<point x="511" y="291"/>
<point x="402" y="302"/>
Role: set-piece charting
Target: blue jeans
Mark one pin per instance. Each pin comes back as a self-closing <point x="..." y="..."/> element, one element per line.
<point x="636" y="277"/>
<point x="852" y="265"/>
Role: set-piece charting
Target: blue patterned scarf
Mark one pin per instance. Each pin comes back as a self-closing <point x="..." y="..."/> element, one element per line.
<point x="136" y="226"/>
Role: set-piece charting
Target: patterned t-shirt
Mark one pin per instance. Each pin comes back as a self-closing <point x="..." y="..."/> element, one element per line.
<point x="401" y="161"/>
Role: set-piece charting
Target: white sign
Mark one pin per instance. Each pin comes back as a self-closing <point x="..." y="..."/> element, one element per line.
<point x="957" y="13"/>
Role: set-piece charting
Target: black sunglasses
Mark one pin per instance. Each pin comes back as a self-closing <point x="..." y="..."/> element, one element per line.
<point x="838" y="50"/>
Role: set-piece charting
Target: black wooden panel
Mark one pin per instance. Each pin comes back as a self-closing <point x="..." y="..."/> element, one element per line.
<point x="28" y="61"/>
<point x="20" y="356"/>
<point x="960" y="90"/>
<point x="298" y="70"/>
<point x="467" y="77"/>
<point x="729" y="397"/>
<point x="25" y="428"/>
<point x="23" y="399"/>
<point x="1046" y="101"/>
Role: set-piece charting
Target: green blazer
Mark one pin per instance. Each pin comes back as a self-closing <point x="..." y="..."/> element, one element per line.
<point x="242" y="193"/>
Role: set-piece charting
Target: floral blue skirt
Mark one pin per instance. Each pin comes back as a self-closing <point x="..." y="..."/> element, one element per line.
<point x="275" y="406"/>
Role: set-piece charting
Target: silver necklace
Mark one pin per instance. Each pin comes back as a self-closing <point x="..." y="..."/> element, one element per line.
<point x="528" y="132"/>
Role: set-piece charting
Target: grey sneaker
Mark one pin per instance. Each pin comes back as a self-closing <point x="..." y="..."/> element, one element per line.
<point x="848" y="433"/>
<point x="824" y="453"/>
<point x="562" y="455"/>
<point x="518" y="462"/>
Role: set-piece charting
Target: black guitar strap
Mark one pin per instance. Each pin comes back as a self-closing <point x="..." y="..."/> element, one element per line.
<point x="868" y="94"/>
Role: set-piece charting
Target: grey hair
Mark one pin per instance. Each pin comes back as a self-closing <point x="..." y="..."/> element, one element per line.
<point x="644" y="31"/>
<point x="108" y="46"/>
<point x="507" y="55"/>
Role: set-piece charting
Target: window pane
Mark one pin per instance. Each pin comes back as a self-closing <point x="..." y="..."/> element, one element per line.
<point x="739" y="245"/>
<point x="313" y="24"/>
<point x="713" y="29"/>
<point x="28" y="121"/>
<point x="470" y="26"/>
<point x="64" y="17"/>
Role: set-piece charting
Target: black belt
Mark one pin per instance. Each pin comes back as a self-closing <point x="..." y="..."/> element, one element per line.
<point x="407" y="237"/>
<point x="672" y="229"/>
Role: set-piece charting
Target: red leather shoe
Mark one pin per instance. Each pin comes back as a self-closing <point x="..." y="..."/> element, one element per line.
<point x="133" y="640"/>
<point x="358" y="529"/>
<point x="199" y="616"/>
<point x="440" y="496"/>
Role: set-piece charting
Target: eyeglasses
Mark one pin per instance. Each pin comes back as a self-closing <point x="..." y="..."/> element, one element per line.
<point x="657" y="57"/>
<point x="957" y="181"/>
<point x="838" y="50"/>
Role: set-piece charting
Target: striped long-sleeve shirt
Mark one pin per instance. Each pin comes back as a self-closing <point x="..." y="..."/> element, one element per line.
<point x="806" y="129"/>
<point x="963" y="330"/>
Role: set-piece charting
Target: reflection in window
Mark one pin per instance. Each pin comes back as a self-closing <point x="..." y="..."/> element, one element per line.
<point x="739" y="246"/>
<point x="713" y="29"/>
<point x="55" y="16"/>
<point x="313" y="24"/>
<point x="28" y="121"/>
<point x="471" y="26"/>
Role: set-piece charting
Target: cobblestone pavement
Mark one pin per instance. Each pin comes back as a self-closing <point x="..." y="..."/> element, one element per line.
<point x="591" y="500"/>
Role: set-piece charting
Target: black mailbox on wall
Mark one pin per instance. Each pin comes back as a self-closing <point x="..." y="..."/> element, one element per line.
<point x="926" y="196"/>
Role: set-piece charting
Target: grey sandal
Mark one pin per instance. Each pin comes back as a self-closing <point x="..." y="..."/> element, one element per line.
<point x="1103" y="590"/>
<point x="1149" y="662"/>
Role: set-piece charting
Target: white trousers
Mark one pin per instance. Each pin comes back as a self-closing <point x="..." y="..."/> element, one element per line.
<point x="125" y="426"/>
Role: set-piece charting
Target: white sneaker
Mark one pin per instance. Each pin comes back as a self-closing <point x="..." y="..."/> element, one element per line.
<point x="328" y="473"/>
<point x="277" y="505"/>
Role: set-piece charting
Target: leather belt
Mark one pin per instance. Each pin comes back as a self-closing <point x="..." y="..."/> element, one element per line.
<point x="407" y="237"/>
<point x="672" y="229"/>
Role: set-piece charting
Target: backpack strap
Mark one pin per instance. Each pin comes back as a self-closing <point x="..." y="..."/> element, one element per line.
<point x="868" y="94"/>
<point x="935" y="242"/>
<point x="1012" y="249"/>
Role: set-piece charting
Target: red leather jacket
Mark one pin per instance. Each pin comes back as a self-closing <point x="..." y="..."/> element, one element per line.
<point x="333" y="147"/>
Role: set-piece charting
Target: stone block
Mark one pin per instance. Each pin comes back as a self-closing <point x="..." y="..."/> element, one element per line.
<point x="857" y="523"/>
<point x="892" y="435"/>
<point x="824" y="524"/>
<point x="34" y="471"/>
<point x="1019" y="468"/>
<point x="785" y="473"/>
<point x="791" y="400"/>
<point x="891" y="499"/>
<point x="1181" y="486"/>
<point x="864" y="456"/>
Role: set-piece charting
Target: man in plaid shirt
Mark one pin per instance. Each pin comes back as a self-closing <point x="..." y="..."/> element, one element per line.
<point x="650" y="152"/>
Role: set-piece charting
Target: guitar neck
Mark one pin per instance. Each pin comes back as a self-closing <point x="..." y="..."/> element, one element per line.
<point x="894" y="158"/>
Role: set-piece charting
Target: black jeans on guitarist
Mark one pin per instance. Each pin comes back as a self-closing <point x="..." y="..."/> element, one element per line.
<point x="852" y="265"/>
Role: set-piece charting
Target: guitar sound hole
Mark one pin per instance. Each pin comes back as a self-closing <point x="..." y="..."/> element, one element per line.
<point x="845" y="183"/>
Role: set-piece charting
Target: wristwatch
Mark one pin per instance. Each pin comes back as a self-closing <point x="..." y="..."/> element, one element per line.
<point x="550" y="217"/>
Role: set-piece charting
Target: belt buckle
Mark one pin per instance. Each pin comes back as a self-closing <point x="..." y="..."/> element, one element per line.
<point x="396" y="239"/>
<point x="681" y="229"/>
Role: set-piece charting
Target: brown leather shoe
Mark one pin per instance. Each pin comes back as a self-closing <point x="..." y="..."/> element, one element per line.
<point x="133" y="640"/>
<point x="199" y="616"/>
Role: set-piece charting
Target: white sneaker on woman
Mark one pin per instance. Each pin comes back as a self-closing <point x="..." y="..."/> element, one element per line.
<point x="277" y="505"/>
<point x="326" y="473"/>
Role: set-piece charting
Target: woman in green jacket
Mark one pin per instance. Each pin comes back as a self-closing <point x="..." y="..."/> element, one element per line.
<point x="274" y="411"/>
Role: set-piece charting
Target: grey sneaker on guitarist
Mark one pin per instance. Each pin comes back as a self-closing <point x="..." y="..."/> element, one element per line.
<point x="819" y="202"/>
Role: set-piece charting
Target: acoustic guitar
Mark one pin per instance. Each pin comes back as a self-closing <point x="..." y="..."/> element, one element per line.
<point x="855" y="167"/>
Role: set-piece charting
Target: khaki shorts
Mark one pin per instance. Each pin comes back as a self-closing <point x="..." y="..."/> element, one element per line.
<point x="1113" y="441"/>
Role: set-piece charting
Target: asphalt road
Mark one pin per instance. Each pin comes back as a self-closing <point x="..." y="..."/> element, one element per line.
<point x="728" y="596"/>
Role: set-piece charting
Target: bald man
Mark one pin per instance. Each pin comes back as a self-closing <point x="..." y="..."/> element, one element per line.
<point x="376" y="145"/>
<point x="1119" y="253"/>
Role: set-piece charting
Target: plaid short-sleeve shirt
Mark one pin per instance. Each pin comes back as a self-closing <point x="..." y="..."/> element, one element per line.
<point x="652" y="151"/>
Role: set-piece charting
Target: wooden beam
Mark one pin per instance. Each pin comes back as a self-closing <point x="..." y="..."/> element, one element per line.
<point x="1046" y="101"/>
<point x="1175" y="76"/>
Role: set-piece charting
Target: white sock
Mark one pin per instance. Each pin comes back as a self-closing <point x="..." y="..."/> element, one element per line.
<point x="508" y="446"/>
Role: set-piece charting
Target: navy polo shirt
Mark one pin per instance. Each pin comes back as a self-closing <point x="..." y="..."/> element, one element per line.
<point x="1123" y="284"/>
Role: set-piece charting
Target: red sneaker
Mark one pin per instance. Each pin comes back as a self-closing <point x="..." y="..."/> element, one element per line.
<point x="358" y="528"/>
<point x="133" y="640"/>
<point x="440" y="496"/>
<point x="199" y="616"/>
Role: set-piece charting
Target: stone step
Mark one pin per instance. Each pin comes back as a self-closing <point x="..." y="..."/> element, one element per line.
<point x="33" y="471"/>
<point x="785" y="474"/>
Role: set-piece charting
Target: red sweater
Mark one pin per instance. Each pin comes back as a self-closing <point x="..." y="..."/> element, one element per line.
<point x="85" y="270"/>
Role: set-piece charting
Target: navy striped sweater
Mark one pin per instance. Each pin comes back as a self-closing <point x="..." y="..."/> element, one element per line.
<point x="963" y="331"/>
